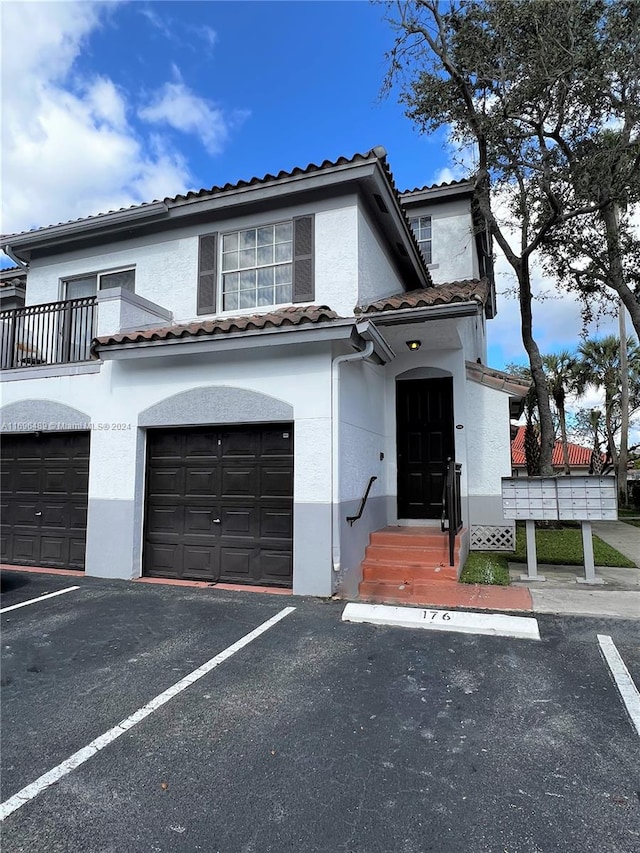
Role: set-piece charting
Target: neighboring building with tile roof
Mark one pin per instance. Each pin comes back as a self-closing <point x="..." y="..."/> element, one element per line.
<point x="222" y="376"/>
<point x="579" y="457"/>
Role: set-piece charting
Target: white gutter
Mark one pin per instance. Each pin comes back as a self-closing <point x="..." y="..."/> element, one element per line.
<point x="17" y="261"/>
<point x="335" y="445"/>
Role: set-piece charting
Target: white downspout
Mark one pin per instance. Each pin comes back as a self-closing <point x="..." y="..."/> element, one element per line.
<point x="335" y="446"/>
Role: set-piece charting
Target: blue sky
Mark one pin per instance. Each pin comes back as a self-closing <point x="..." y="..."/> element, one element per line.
<point x="109" y="104"/>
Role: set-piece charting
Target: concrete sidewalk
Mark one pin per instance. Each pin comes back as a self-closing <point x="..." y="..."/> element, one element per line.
<point x="623" y="537"/>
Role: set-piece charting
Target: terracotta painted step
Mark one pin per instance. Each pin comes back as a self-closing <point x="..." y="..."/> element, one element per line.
<point x="450" y="595"/>
<point x="384" y="537"/>
<point x="391" y="553"/>
<point x="401" y="571"/>
<point x="383" y="592"/>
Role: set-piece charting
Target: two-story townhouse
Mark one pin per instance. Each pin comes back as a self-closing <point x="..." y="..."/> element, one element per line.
<point x="207" y="387"/>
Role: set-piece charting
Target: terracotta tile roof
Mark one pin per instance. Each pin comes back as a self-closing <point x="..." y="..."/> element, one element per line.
<point x="577" y="455"/>
<point x="441" y="186"/>
<point x="378" y="152"/>
<point x="12" y="276"/>
<point x="442" y="294"/>
<point x="498" y="379"/>
<point x="293" y="316"/>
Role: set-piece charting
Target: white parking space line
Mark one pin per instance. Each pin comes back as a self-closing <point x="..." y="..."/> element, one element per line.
<point x="87" y="752"/>
<point x="40" y="598"/>
<point x="491" y="624"/>
<point x="628" y="690"/>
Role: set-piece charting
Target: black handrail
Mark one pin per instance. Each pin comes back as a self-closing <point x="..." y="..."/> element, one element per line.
<point x="55" y="333"/>
<point x="352" y="518"/>
<point x="451" y="519"/>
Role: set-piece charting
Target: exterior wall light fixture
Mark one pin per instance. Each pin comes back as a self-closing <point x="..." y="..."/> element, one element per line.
<point x="414" y="345"/>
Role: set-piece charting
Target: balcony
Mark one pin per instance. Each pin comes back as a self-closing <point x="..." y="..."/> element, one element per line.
<point x="46" y="336"/>
<point x="55" y="333"/>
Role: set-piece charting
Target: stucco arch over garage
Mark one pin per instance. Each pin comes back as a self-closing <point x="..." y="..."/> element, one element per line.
<point x="42" y="416"/>
<point x="220" y="404"/>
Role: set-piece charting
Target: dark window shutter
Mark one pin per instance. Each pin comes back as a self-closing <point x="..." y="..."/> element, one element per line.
<point x="207" y="274"/>
<point x="303" y="273"/>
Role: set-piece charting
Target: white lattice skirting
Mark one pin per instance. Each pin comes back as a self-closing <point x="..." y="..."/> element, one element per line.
<point x="490" y="538"/>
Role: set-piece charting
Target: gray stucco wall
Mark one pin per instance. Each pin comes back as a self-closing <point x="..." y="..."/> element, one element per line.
<point x="354" y="540"/>
<point x="41" y="416"/>
<point x="216" y="405"/>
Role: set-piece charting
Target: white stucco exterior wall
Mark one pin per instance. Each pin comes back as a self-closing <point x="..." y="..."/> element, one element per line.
<point x="376" y="275"/>
<point x="166" y="265"/>
<point x="453" y="249"/>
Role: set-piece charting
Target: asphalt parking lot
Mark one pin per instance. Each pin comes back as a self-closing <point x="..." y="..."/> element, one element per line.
<point x="315" y="735"/>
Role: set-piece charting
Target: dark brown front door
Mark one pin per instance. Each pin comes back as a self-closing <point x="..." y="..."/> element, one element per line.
<point x="44" y="490"/>
<point x="424" y="422"/>
<point x="219" y="504"/>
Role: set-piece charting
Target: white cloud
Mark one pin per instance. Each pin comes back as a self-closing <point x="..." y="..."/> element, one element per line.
<point x="69" y="148"/>
<point x="180" y="108"/>
<point x="74" y="144"/>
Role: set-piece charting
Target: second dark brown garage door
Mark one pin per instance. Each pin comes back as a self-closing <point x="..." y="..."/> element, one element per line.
<point x="219" y="504"/>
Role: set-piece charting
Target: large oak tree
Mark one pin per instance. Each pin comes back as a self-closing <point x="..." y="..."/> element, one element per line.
<point x="528" y="85"/>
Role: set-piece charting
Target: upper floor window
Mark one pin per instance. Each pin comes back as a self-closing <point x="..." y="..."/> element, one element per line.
<point x="257" y="266"/>
<point x="422" y="229"/>
<point x="89" y="285"/>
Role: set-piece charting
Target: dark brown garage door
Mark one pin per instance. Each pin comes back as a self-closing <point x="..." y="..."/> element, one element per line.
<point x="219" y="504"/>
<point x="44" y="499"/>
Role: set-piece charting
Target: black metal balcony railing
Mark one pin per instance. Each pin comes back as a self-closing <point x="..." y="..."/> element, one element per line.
<point x="55" y="333"/>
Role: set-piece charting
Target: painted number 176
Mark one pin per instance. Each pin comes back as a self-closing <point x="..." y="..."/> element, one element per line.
<point x="432" y="615"/>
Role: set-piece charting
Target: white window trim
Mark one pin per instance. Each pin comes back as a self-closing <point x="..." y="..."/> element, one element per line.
<point x="255" y="309"/>
<point x="64" y="280"/>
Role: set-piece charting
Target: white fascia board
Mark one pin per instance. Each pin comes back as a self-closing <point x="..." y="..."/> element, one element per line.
<point x="421" y="315"/>
<point x="219" y="343"/>
<point x="425" y="196"/>
<point x="66" y="230"/>
<point x="265" y="192"/>
<point x="381" y="348"/>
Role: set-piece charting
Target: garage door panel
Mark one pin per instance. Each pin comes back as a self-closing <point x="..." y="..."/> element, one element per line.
<point x="201" y="444"/>
<point x="202" y="481"/>
<point x="276" y="482"/>
<point x="236" y="563"/>
<point x="27" y="481"/>
<point x="54" y="550"/>
<point x="241" y="442"/>
<point x="166" y="481"/>
<point x="240" y="482"/>
<point x="24" y="513"/>
<point x="276" y="567"/>
<point x="25" y="549"/>
<point x="161" y="519"/>
<point x="198" y="519"/>
<point x="241" y="475"/>
<point x="163" y="556"/>
<point x="78" y="518"/>
<point x="276" y="442"/>
<point x="77" y="548"/>
<point x="200" y="561"/>
<point x="276" y="524"/>
<point x="239" y="521"/>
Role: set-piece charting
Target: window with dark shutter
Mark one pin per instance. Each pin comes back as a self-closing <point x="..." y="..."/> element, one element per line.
<point x="303" y="273"/>
<point x="207" y="274"/>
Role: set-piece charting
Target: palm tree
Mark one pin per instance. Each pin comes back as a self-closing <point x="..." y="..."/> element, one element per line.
<point x="561" y="378"/>
<point x="599" y="366"/>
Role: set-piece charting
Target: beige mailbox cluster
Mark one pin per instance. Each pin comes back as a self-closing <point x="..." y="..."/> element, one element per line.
<point x="583" y="499"/>
<point x="560" y="498"/>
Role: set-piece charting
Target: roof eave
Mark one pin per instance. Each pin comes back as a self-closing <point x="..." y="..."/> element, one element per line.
<point x="340" y="329"/>
<point x="400" y="316"/>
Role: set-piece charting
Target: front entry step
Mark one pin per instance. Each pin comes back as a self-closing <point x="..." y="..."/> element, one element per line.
<point x="402" y="564"/>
